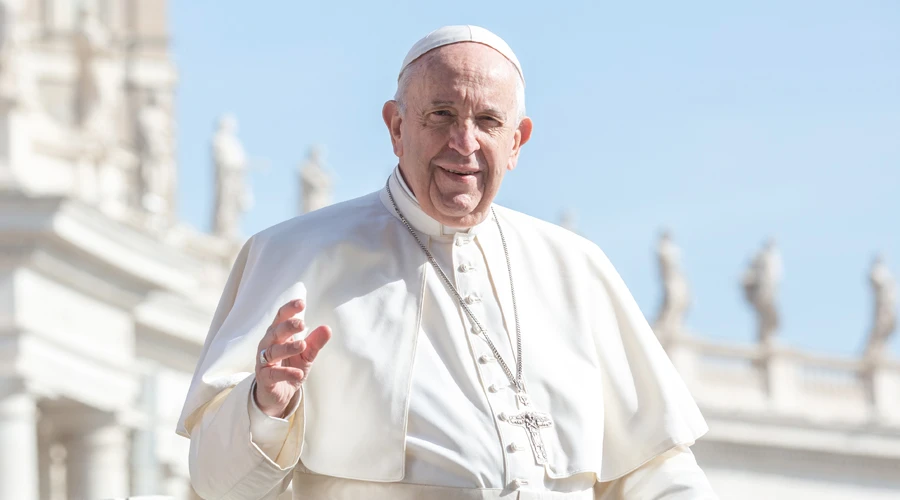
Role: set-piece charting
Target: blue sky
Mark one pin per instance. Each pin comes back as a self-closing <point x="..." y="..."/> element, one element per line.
<point x="728" y="122"/>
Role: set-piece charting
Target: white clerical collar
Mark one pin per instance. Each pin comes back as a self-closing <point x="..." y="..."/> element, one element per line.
<point x="417" y="217"/>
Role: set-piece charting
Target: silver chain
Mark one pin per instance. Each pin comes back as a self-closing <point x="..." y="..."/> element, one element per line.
<point x="514" y="380"/>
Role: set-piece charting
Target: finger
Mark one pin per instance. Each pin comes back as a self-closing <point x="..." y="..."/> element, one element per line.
<point x="273" y="374"/>
<point x="315" y="341"/>
<point x="277" y="352"/>
<point x="283" y="331"/>
<point x="288" y="311"/>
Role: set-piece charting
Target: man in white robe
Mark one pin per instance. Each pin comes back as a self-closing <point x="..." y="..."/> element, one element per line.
<point x="462" y="350"/>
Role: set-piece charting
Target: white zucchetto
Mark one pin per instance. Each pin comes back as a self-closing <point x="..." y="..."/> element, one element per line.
<point x="456" y="34"/>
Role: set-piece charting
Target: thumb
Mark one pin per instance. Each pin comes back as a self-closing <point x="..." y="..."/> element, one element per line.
<point x="315" y="341"/>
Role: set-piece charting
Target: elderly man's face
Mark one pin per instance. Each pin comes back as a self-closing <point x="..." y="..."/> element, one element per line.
<point x="459" y="132"/>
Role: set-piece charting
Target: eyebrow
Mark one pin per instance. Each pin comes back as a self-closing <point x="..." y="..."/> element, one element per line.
<point x="492" y="111"/>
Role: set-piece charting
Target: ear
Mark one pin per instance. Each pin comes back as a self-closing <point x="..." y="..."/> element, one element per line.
<point x="390" y="113"/>
<point x="523" y="133"/>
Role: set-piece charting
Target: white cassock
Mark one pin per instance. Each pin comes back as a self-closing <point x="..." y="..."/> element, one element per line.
<point x="406" y="401"/>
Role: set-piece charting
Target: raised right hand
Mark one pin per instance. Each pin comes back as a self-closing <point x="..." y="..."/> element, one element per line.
<point x="288" y="361"/>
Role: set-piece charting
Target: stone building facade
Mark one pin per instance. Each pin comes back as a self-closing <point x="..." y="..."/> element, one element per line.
<point x="105" y="297"/>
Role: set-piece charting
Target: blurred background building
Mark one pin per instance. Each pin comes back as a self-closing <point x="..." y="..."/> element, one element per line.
<point x="105" y="295"/>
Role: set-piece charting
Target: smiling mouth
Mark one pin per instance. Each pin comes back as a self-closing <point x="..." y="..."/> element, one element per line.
<point x="457" y="172"/>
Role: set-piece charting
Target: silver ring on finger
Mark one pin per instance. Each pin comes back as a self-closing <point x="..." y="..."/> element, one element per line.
<point x="263" y="358"/>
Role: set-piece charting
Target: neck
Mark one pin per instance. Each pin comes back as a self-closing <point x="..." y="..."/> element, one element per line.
<point x="460" y="224"/>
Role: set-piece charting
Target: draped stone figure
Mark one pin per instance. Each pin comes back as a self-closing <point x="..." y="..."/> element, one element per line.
<point x="761" y="289"/>
<point x="233" y="196"/>
<point x="568" y="220"/>
<point x="315" y="183"/>
<point x="10" y="64"/>
<point x="676" y="292"/>
<point x="884" y="320"/>
<point x="93" y="96"/>
<point x="157" y="165"/>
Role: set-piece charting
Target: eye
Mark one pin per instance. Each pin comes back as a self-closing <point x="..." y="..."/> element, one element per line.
<point x="489" y="120"/>
<point x="443" y="113"/>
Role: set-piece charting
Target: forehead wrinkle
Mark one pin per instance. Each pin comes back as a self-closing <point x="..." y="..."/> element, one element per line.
<point x="452" y="75"/>
<point x="474" y="91"/>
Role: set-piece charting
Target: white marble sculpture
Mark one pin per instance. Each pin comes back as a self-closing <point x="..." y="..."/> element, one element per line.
<point x="157" y="163"/>
<point x="9" y="67"/>
<point x="884" y="322"/>
<point x="315" y="183"/>
<point x="567" y="220"/>
<point x="676" y="292"/>
<point x="18" y="86"/>
<point x="761" y="289"/>
<point x="233" y="196"/>
<point x="92" y="98"/>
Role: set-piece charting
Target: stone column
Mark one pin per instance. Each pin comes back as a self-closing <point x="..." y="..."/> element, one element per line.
<point x="145" y="472"/>
<point x="97" y="458"/>
<point x="18" y="445"/>
<point x="882" y="383"/>
<point x="779" y="372"/>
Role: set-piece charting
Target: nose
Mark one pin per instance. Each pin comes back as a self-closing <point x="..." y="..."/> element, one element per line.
<point x="462" y="138"/>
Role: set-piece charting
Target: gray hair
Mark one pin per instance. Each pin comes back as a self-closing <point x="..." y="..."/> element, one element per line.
<point x="406" y="76"/>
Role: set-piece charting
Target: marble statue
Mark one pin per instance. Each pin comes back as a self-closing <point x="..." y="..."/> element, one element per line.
<point x="676" y="293"/>
<point x="568" y="221"/>
<point x="884" y="322"/>
<point x="315" y="183"/>
<point x="760" y="289"/>
<point x="157" y="165"/>
<point x="92" y="98"/>
<point x="16" y="85"/>
<point x="233" y="196"/>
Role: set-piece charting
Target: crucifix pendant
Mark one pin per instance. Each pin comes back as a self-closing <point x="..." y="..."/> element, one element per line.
<point x="533" y="422"/>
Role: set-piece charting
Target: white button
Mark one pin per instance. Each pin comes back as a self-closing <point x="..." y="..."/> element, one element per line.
<point x="515" y="447"/>
<point x="485" y="359"/>
<point x="462" y="240"/>
<point x="464" y="268"/>
<point x="495" y="388"/>
<point x="471" y="299"/>
<point x="502" y="416"/>
<point x="518" y="483"/>
<point x="476" y="330"/>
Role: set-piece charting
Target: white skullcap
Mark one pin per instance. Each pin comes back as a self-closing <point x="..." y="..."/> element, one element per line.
<point x="456" y="34"/>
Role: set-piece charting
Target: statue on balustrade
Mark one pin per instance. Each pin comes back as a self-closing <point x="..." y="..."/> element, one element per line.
<point x="884" y="291"/>
<point x="568" y="220"/>
<point x="315" y="183"/>
<point x="95" y="95"/>
<point x="233" y="196"/>
<point x="761" y="289"/>
<point x="15" y="84"/>
<point x="676" y="293"/>
<point x="157" y="165"/>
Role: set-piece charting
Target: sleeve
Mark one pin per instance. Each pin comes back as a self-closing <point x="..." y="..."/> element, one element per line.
<point x="226" y="463"/>
<point x="269" y="433"/>
<point x="234" y="453"/>
<point x="647" y="408"/>
<point x="674" y="475"/>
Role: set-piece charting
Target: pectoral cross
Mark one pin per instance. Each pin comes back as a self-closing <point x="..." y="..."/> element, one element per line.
<point x="533" y="422"/>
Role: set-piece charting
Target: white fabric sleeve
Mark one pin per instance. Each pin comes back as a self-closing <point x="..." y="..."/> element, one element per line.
<point x="226" y="464"/>
<point x="674" y="475"/>
<point x="266" y="432"/>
